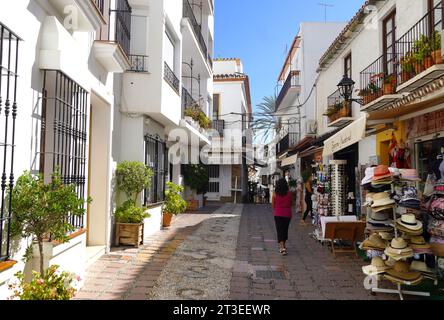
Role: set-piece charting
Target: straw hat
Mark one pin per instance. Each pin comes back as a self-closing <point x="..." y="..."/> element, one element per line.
<point x="375" y="241"/>
<point x="401" y="270"/>
<point x="382" y="199"/>
<point x="381" y="172"/>
<point x="379" y="216"/>
<point x="398" y="249"/>
<point x="383" y="208"/>
<point x="421" y="266"/>
<point x="386" y="236"/>
<point x="409" y="232"/>
<point x="409" y="174"/>
<point x="409" y="221"/>
<point x="418" y="242"/>
<point x="377" y="266"/>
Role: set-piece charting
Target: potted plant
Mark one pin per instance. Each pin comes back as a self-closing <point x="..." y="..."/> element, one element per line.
<point x="43" y="211"/>
<point x="389" y="85"/>
<point x="422" y="54"/>
<point x="407" y="66"/>
<point x="436" y="47"/>
<point x="174" y="203"/>
<point x="365" y="94"/>
<point x="131" y="179"/>
<point x="375" y="91"/>
<point x="196" y="177"/>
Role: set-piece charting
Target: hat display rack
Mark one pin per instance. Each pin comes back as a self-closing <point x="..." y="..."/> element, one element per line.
<point x="379" y="208"/>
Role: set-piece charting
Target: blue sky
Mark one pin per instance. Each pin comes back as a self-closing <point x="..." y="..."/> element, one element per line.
<point x="259" y="31"/>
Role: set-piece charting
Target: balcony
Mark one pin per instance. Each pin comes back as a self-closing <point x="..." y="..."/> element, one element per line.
<point x="188" y="13"/>
<point x="113" y="48"/>
<point x="171" y="78"/>
<point x="339" y="112"/>
<point x="138" y="63"/>
<point x="289" y="140"/>
<point x="379" y="82"/>
<point x="420" y="51"/>
<point x="89" y="16"/>
<point x="289" y="91"/>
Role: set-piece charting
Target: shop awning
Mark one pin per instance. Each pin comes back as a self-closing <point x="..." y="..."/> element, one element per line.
<point x="289" y="161"/>
<point x="348" y="136"/>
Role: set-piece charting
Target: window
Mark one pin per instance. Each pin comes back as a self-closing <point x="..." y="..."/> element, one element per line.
<point x="348" y="66"/>
<point x="156" y="159"/>
<point x="216" y="106"/>
<point x="389" y="40"/>
<point x="169" y="50"/>
<point x="436" y="17"/>
<point x="214" y="175"/>
<point x="9" y="49"/>
<point x="64" y="132"/>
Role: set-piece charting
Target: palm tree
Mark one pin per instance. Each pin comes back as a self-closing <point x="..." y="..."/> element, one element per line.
<point x="267" y="122"/>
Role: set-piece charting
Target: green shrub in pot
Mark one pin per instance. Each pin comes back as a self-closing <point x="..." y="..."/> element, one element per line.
<point x="174" y="203"/>
<point x="129" y="212"/>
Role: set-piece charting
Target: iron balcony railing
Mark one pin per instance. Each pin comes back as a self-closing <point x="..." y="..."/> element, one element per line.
<point x="197" y="29"/>
<point x="100" y="4"/>
<point x="139" y="63"/>
<point x="122" y="31"/>
<point x="337" y="107"/>
<point x="379" y="78"/>
<point x="291" y="139"/>
<point x="187" y="99"/>
<point x="219" y="126"/>
<point x="171" y="78"/>
<point x="420" y="47"/>
<point x="292" y="81"/>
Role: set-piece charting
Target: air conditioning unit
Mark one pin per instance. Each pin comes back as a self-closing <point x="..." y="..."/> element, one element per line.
<point x="312" y="127"/>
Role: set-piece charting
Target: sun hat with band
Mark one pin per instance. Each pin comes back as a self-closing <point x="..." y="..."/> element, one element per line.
<point x="382" y="199"/>
<point x="401" y="270"/>
<point x="380" y="218"/>
<point x="399" y="249"/>
<point x="421" y="266"/>
<point x="381" y="172"/>
<point x="377" y="266"/>
<point x="410" y="222"/>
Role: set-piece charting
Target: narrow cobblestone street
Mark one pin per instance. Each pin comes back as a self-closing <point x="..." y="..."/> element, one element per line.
<point x="227" y="252"/>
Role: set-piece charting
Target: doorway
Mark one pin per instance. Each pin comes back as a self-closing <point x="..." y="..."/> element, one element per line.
<point x="99" y="180"/>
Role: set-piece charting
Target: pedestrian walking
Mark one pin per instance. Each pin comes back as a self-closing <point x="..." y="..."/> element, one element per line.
<point x="308" y="200"/>
<point x="282" y="203"/>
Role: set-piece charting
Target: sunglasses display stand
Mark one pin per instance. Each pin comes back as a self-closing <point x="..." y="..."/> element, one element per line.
<point x="399" y="291"/>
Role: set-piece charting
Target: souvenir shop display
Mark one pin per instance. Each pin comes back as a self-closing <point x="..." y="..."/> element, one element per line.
<point x="321" y="191"/>
<point x="396" y="240"/>
<point x="338" y="187"/>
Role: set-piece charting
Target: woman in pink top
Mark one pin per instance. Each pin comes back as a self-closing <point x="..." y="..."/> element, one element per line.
<point x="282" y="204"/>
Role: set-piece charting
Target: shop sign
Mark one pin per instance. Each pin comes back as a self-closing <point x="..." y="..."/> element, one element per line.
<point x="350" y="135"/>
<point x="289" y="161"/>
<point x="424" y="125"/>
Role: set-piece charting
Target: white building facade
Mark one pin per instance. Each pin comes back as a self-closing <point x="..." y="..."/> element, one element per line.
<point x="231" y="116"/>
<point x="296" y="99"/>
<point x="98" y="82"/>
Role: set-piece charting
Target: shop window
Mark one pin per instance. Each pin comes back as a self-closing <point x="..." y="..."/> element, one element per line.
<point x="156" y="159"/>
<point x="64" y="132"/>
<point x="429" y="155"/>
<point x="9" y="52"/>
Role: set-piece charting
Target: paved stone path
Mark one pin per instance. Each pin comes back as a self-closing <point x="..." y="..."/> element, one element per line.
<point x="220" y="253"/>
<point x="309" y="271"/>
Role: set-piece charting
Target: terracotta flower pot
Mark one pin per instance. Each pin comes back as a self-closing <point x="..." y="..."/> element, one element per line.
<point x="406" y="76"/>
<point x="167" y="217"/>
<point x="428" y="62"/>
<point x="388" y="88"/>
<point x="419" y="67"/>
<point x="437" y="56"/>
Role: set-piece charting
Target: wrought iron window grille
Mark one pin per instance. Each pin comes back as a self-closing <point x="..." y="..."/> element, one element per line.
<point x="156" y="158"/>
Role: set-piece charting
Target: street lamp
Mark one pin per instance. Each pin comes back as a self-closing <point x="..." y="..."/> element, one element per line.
<point x="346" y="87"/>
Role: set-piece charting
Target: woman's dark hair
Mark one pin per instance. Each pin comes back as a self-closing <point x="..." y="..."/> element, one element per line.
<point x="281" y="188"/>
